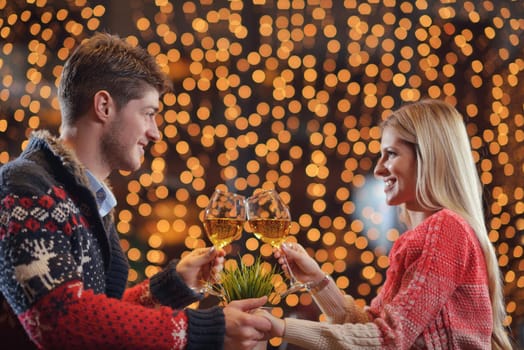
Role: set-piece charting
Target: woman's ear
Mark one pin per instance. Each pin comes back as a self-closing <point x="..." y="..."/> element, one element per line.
<point x="103" y="105"/>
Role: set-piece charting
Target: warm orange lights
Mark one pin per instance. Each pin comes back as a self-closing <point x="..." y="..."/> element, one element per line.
<point x="289" y="98"/>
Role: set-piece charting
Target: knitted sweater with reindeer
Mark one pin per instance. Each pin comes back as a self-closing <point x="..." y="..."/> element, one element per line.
<point x="435" y="297"/>
<point x="64" y="274"/>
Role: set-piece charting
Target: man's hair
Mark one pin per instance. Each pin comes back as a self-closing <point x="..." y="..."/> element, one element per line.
<point x="106" y="62"/>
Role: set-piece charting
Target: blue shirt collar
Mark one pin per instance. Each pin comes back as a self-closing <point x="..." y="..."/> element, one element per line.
<point x="104" y="197"/>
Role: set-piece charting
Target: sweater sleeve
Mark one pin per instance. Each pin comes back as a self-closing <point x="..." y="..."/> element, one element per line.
<point x="70" y="317"/>
<point x="165" y="288"/>
<point x="338" y="308"/>
<point x="433" y="264"/>
<point x="315" y="335"/>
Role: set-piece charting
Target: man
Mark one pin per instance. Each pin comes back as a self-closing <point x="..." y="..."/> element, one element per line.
<point x="62" y="270"/>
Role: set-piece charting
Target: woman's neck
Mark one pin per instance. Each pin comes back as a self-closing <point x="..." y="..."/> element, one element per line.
<point x="416" y="217"/>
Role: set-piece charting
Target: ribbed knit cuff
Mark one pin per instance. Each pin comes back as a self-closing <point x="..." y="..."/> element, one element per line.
<point x="321" y="335"/>
<point x="306" y="334"/>
<point x="170" y="289"/>
<point x="206" y="329"/>
<point x="331" y="302"/>
<point x="337" y="307"/>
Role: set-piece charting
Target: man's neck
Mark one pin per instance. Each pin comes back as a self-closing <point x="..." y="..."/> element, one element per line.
<point x="86" y="150"/>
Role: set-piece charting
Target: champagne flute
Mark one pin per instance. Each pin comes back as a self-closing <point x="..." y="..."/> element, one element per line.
<point x="224" y="218"/>
<point x="270" y="221"/>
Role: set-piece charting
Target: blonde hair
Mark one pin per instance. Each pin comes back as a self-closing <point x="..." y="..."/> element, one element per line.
<point x="447" y="178"/>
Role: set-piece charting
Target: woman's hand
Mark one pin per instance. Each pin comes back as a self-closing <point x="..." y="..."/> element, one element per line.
<point x="278" y="326"/>
<point x="304" y="267"/>
<point x="201" y="264"/>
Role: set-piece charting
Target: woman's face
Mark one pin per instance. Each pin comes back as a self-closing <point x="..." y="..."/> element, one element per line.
<point x="397" y="167"/>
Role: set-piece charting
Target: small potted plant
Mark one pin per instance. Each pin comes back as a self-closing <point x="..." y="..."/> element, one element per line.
<point x="248" y="281"/>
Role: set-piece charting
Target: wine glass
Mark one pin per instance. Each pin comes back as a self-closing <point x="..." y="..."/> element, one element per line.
<point x="270" y="221"/>
<point x="224" y="218"/>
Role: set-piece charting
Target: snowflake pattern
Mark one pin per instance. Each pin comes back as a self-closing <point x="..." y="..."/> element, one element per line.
<point x="179" y="333"/>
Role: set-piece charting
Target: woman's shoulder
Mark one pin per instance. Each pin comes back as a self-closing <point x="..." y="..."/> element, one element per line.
<point x="448" y="218"/>
<point x="447" y="225"/>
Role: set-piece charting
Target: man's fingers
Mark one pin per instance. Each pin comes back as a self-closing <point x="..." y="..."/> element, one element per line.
<point x="256" y="327"/>
<point x="263" y="325"/>
<point x="204" y="255"/>
<point x="220" y="252"/>
<point x="249" y="304"/>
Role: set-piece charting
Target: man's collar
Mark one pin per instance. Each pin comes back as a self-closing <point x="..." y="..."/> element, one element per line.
<point x="104" y="197"/>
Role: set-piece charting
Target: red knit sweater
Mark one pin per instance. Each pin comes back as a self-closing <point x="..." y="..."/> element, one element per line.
<point x="437" y="288"/>
<point x="435" y="297"/>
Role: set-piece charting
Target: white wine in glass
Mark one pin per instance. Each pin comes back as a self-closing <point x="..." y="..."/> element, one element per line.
<point x="270" y="221"/>
<point x="272" y="231"/>
<point x="224" y="219"/>
<point x="222" y="231"/>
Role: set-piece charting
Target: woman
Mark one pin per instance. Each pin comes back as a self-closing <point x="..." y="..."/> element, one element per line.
<point x="443" y="287"/>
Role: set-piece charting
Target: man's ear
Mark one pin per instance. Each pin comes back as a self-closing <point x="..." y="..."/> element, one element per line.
<point x="103" y="105"/>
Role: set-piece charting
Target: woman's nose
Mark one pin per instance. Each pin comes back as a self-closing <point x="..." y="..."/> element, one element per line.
<point x="380" y="170"/>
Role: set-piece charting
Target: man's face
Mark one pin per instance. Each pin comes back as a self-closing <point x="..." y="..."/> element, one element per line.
<point x="130" y="130"/>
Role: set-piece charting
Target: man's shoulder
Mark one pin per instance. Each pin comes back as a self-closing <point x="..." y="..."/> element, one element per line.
<point x="23" y="171"/>
<point x="34" y="161"/>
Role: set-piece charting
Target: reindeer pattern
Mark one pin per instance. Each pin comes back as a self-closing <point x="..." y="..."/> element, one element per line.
<point x="41" y="252"/>
<point x="39" y="264"/>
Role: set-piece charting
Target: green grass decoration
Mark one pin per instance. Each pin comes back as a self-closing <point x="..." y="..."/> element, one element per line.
<point x="244" y="282"/>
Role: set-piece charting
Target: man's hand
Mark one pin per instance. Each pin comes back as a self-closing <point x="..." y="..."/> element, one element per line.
<point x="244" y="329"/>
<point x="201" y="264"/>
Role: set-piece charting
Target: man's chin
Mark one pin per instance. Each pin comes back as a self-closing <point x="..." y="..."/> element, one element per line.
<point x="136" y="167"/>
<point x="131" y="167"/>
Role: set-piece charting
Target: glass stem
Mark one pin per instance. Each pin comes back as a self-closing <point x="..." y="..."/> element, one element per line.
<point x="294" y="286"/>
<point x="292" y="277"/>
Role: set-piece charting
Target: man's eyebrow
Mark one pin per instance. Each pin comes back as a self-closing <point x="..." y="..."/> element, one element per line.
<point x="155" y="108"/>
